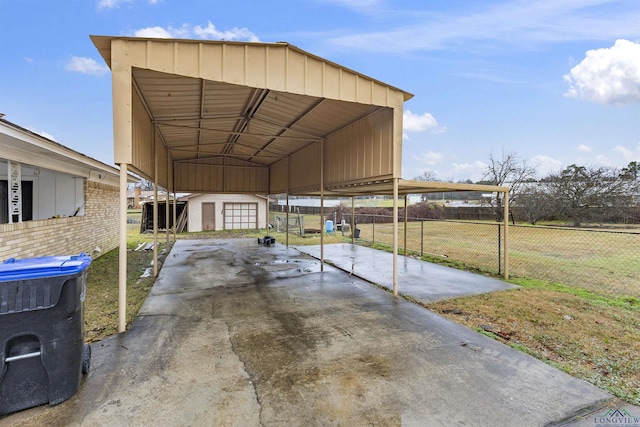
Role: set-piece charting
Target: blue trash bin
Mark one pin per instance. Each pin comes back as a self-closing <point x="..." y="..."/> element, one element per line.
<point x="329" y="226"/>
<point x="42" y="348"/>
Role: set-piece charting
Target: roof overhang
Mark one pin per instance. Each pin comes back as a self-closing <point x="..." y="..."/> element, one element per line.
<point x="385" y="188"/>
<point x="24" y="146"/>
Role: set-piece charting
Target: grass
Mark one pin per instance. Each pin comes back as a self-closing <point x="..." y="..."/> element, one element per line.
<point x="586" y="335"/>
<point x="101" y="303"/>
<point x="589" y="334"/>
<point x="604" y="262"/>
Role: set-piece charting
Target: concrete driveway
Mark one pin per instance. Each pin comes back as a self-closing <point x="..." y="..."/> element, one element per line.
<point x="239" y="334"/>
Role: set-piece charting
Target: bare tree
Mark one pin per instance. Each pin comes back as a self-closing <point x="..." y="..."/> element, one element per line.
<point x="509" y="170"/>
<point x="582" y="193"/>
<point x="427" y="176"/>
<point x="534" y="203"/>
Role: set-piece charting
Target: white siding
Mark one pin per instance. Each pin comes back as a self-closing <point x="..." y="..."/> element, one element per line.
<point x="195" y="208"/>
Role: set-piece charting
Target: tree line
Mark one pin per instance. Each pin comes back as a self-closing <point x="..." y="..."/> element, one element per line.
<point x="578" y="194"/>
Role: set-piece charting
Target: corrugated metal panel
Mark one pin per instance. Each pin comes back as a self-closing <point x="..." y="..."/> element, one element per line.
<point x="161" y="158"/>
<point x="278" y="177"/>
<point x="361" y="151"/>
<point x="305" y="169"/>
<point x="254" y="102"/>
<point x="142" y="138"/>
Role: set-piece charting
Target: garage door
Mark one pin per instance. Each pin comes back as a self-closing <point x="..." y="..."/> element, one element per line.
<point x="239" y="216"/>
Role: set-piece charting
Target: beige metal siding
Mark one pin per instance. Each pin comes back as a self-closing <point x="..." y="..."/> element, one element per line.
<point x="191" y="177"/>
<point x="305" y="170"/>
<point x="278" y="177"/>
<point x="161" y="155"/>
<point x="142" y="141"/>
<point x="256" y="102"/>
<point x="275" y="66"/>
<point x="361" y="152"/>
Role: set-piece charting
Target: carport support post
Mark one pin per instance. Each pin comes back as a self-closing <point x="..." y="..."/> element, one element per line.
<point x="405" y="225"/>
<point x="353" y="221"/>
<point x="506" y="233"/>
<point x="166" y="204"/>
<point x="122" y="255"/>
<point x="321" y="205"/>
<point x="286" y="227"/>
<point x="266" y="226"/>
<point x="155" y="205"/>
<point x="395" y="236"/>
<point x="155" y="228"/>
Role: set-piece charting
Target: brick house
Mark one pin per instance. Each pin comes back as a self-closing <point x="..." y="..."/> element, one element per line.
<point x="53" y="200"/>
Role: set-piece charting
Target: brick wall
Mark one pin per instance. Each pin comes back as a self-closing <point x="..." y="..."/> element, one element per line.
<point x="98" y="228"/>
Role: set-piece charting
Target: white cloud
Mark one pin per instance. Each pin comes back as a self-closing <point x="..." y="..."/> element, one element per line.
<point x="365" y="6"/>
<point x="608" y="76"/>
<point x="86" y="66"/>
<point x="521" y="25"/>
<point x="603" y="160"/>
<point x="629" y="155"/>
<point x="545" y="165"/>
<point x="112" y="4"/>
<point x="187" y="31"/>
<point x="473" y="171"/>
<point x="420" y="123"/>
<point x="156" y="33"/>
<point x="210" y="32"/>
<point x="584" y="148"/>
<point x="430" y="158"/>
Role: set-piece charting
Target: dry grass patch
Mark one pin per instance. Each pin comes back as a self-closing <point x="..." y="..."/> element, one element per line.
<point x="590" y="337"/>
<point x="101" y="303"/>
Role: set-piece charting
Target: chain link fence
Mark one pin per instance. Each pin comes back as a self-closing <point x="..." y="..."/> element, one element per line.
<point x="603" y="261"/>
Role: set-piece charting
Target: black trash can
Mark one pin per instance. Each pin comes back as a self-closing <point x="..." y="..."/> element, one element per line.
<point x="42" y="348"/>
<point x="356" y="233"/>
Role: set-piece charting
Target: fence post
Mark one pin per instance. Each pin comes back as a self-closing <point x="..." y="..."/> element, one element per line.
<point x="373" y="229"/>
<point x="499" y="248"/>
<point x="421" y="238"/>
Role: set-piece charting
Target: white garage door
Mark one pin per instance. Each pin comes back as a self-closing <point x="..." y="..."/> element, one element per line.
<point x="239" y="216"/>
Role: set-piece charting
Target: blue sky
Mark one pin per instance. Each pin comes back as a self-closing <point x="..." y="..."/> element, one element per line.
<point x="555" y="81"/>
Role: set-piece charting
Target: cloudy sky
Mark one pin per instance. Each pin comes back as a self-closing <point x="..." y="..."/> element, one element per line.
<point x="555" y="81"/>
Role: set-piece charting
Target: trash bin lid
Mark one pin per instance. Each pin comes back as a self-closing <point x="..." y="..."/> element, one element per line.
<point x="49" y="266"/>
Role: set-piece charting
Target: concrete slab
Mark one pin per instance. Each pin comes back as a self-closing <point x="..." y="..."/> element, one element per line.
<point x="424" y="281"/>
<point x="244" y="335"/>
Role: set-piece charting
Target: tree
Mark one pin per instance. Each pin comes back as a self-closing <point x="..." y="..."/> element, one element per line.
<point x="427" y="176"/>
<point x="509" y="170"/>
<point x="582" y="193"/>
<point x="631" y="172"/>
<point x="534" y="203"/>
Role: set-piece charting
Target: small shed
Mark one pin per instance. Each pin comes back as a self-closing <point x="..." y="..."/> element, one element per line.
<point x="208" y="212"/>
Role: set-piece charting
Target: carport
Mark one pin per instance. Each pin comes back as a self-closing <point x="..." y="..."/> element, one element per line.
<point x="255" y="118"/>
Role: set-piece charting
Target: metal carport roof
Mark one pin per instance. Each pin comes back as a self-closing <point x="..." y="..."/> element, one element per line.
<point x="240" y="117"/>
